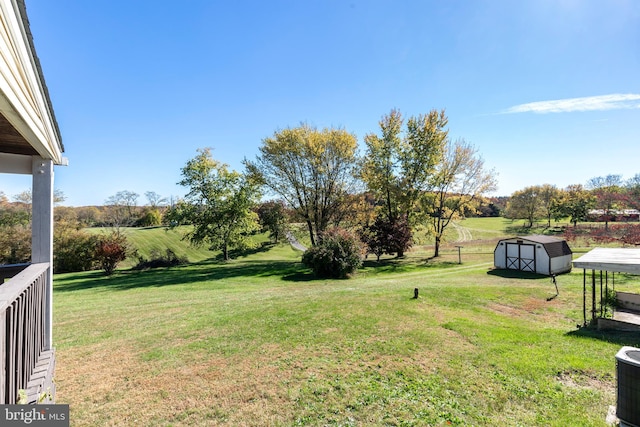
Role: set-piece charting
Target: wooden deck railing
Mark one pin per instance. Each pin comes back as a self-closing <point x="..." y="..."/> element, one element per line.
<point x="26" y="362"/>
<point x="7" y="271"/>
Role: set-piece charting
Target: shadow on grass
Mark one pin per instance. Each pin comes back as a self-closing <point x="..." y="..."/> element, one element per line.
<point x="390" y="265"/>
<point x="238" y="254"/>
<point x="301" y="276"/>
<point x="402" y="265"/>
<point x="516" y="274"/>
<point x="204" y="271"/>
<point x="620" y="338"/>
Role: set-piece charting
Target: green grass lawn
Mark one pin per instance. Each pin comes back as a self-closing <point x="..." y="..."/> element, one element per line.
<point x="150" y="240"/>
<point x="259" y="342"/>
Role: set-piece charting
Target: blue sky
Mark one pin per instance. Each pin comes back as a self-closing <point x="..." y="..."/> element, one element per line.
<point x="547" y="91"/>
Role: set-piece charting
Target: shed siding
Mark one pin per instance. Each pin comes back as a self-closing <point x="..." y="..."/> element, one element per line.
<point x="543" y="265"/>
<point x="500" y="256"/>
<point x="561" y="264"/>
<point x="540" y="254"/>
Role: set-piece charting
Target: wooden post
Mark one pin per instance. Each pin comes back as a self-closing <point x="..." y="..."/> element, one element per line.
<point x="606" y="292"/>
<point x="593" y="295"/>
<point x="42" y="232"/>
<point x="459" y="256"/>
<point x="584" y="295"/>
<point x="415" y="293"/>
<point x="601" y="295"/>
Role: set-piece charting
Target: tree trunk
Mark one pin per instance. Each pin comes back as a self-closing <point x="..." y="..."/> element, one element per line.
<point x="436" y="252"/>
<point x="310" y="227"/>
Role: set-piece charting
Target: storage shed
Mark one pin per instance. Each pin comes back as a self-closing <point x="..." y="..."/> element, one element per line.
<point x="538" y="254"/>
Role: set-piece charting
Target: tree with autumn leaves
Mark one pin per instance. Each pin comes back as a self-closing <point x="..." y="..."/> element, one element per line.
<point x="420" y="176"/>
<point x="312" y="170"/>
<point x="411" y="173"/>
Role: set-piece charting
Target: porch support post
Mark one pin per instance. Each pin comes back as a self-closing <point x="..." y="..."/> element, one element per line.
<point x="584" y="295"/>
<point x="42" y="232"/>
<point x="593" y="296"/>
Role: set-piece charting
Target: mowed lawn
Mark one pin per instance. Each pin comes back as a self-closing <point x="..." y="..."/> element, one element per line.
<point x="259" y="342"/>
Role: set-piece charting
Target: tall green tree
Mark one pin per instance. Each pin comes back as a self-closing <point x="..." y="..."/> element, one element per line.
<point x="460" y="181"/>
<point x="273" y="218"/>
<point x="573" y="202"/>
<point x="533" y="203"/>
<point x="547" y="195"/>
<point x="400" y="163"/>
<point x="218" y="205"/>
<point x="525" y="204"/>
<point x="311" y="170"/>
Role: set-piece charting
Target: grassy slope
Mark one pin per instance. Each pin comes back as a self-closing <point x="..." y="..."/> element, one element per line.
<point x="257" y="341"/>
<point x="158" y="239"/>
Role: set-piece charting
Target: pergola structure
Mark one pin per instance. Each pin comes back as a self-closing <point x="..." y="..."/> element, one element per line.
<point x="30" y="144"/>
<point x="605" y="262"/>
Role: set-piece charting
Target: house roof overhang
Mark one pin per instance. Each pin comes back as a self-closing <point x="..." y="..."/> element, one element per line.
<point x="619" y="260"/>
<point x="28" y="126"/>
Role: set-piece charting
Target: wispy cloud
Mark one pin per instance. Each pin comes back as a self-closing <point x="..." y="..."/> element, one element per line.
<point x="617" y="101"/>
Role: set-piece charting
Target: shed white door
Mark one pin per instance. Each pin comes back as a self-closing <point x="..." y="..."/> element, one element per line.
<point x="521" y="256"/>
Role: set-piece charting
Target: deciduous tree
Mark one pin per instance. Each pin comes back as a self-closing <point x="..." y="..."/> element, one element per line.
<point x="155" y="200"/>
<point x="121" y="207"/>
<point x="312" y="170"/>
<point x="273" y="218"/>
<point x="573" y="202"/>
<point x="525" y="204"/>
<point x="399" y="164"/>
<point x="608" y="193"/>
<point x="547" y="195"/>
<point x="632" y="187"/>
<point x="460" y="180"/>
<point x="387" y="236"/>
<point x="218" y="205"/>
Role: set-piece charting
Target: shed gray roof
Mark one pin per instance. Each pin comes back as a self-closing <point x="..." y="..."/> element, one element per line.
<point x="621" y="260"/>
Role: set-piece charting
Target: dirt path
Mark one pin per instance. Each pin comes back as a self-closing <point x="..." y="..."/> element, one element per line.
<point x="464" y="235"/>
<point x="294" y="242"/>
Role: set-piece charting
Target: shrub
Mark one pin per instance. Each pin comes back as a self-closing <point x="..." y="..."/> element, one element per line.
<point x="150" y="218"/>
<point x="74" y="250"/>
<point x="110" y="250"/>
<point x="337" y="256"/>
<point x="170" y="259"/>
<point x="15" y="244"/>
